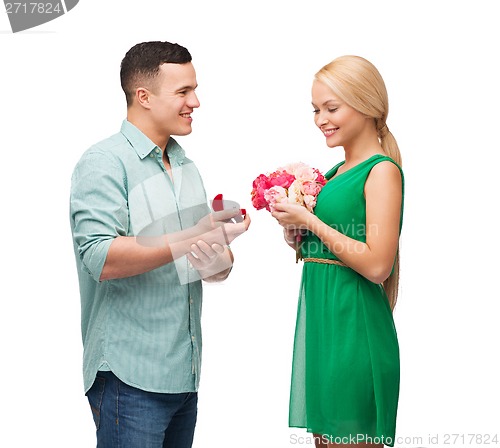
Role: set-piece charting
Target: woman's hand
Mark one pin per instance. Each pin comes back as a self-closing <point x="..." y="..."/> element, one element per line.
<point x="295" y="220"/>
<point x="293" y="237"/>
<point x="292" y="217"/>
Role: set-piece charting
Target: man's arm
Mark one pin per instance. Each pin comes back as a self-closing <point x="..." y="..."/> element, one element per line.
<point x="128" y="256"/>
<point x="100" y="222"/>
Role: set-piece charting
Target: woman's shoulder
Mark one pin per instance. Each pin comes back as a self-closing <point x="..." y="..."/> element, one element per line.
<point x="386" y="166"/>
<point x="384" y="174"/>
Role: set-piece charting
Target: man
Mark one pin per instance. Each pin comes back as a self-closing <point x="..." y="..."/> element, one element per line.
<point x="144" y="238"/>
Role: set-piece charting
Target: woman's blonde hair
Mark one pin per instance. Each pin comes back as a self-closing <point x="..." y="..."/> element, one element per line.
<point x="358" y="83"/>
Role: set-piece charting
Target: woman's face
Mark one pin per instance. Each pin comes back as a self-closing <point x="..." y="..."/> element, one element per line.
<point x="339" y="122"/>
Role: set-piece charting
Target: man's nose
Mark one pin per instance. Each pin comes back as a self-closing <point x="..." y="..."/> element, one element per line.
<point x="193" y="100"/>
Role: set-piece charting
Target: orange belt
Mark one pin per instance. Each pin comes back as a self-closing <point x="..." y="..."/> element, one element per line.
<point x="324" y="261"/>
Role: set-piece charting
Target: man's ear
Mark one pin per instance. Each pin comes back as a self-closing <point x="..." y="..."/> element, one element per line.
<point x="142" y="96"/>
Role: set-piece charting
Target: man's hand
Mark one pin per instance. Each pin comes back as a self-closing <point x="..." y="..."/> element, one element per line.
<point x="214" y="228"/>
<point x="210" y="255"/>
<point x="213" y="262"/>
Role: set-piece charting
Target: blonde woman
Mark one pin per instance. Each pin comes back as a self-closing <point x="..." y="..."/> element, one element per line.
<point x="345" y="377"/>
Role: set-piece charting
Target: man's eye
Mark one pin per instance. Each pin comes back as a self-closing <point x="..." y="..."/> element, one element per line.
<point x="332" y="110"/>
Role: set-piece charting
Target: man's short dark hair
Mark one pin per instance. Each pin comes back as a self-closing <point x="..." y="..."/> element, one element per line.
<point x="142" y="64"/>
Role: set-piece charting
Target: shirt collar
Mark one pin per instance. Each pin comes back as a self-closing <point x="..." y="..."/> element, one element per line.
<point x="176" y="154"/>
<point x="143" y="145"/>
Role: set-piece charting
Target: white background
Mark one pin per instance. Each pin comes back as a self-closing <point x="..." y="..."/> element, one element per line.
<point x="255" y="61"/>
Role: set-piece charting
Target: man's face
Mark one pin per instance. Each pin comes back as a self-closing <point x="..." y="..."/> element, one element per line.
<point x="173" y="99"/>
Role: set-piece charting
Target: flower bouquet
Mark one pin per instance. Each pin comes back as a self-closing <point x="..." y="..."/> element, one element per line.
<point x="295" y="183"/>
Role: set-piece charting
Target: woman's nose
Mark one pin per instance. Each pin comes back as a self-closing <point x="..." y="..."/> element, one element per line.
<point x="320" y="119"/>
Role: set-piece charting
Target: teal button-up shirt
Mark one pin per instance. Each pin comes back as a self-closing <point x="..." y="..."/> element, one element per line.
<point x="145" y="328"/>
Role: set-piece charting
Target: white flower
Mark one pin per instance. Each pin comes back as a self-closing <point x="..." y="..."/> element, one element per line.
<point x="293" y="167"/>
<point x="305" y="174"/>
<point x="295" y="193"/>
<point x="309" y="202"/>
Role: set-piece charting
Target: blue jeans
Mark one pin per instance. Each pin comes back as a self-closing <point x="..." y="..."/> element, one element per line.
<point x="126" y="417"/>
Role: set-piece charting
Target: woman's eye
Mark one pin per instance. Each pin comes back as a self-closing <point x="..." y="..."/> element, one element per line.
<point x="330" y="110"/>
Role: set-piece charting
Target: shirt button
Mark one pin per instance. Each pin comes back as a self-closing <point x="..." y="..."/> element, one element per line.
<point x="157" y="150"/>
<point x="193" y="338"/>
<point x="151" y="155"/>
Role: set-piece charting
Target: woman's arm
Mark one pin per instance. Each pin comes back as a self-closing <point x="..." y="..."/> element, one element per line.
<point x="375" y="258"/>
<point x="290" y="236"/>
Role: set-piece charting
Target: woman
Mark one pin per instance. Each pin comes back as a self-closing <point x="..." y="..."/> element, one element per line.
<point x="345" y="378"/>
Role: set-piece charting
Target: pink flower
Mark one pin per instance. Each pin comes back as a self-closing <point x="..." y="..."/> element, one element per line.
<point x="275" y="195"/>
<point x="320" y="179"/>
<point x="262" y="182"/>
<point x="311" y="188"/>
<point x="296" y="183"/>
<point x="260" y="185"/>
<point x="281" y="179"/>
<point x="259" y="202"/>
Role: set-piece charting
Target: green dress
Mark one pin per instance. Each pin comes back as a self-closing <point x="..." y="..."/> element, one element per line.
<point x="345" y="375"/>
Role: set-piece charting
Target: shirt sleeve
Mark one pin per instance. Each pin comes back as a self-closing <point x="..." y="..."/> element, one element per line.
<point x="98" y="208"/>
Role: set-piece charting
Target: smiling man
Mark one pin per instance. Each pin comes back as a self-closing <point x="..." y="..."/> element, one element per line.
<point x="144" y="237"/>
